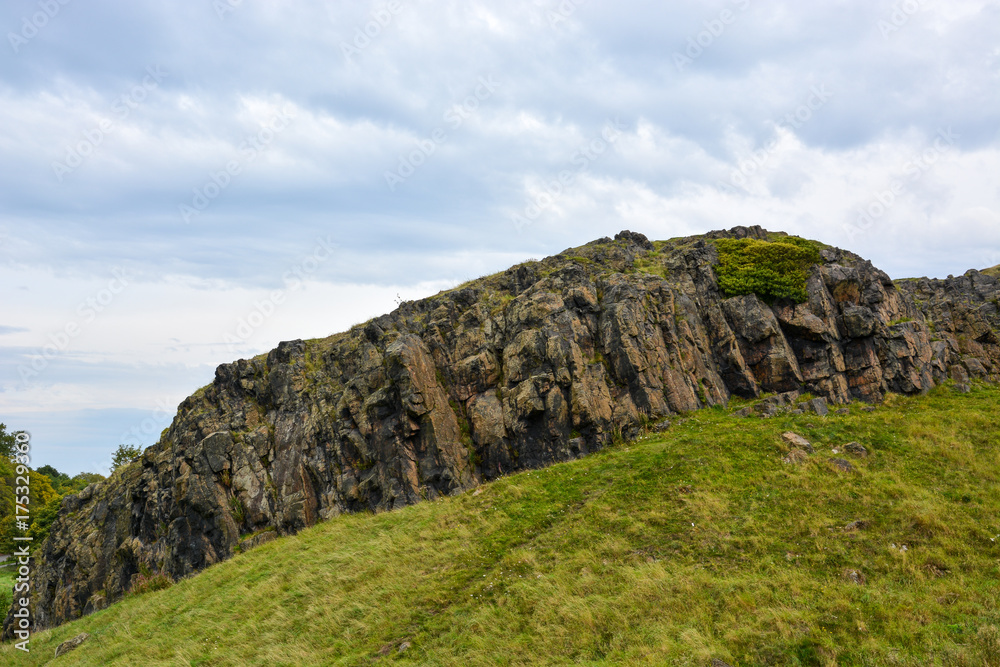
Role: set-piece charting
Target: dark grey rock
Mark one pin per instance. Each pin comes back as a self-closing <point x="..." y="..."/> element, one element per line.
<point x="819" y="406"/>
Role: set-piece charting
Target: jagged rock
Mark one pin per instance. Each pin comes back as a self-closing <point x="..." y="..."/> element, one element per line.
<point x="960" y="375"/>
<point x="71" y="644"/>
<point x="660" y="426"/>
<point x="796" y="441"/>
<point x="636" y="238"/>
<point x="796" y="456"/>
<point x="257" y="540"/>
<point x="856" y="449"/>
<point x="819" y="406"/>
<point x="546" y="361"/>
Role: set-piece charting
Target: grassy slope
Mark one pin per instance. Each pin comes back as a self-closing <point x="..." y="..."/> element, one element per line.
<point x="6" y="583"/>
<point x="994" y="271"/>
<point x="695" y="544"/>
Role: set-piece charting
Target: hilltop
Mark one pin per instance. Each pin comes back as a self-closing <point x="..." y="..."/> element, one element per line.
<point x="548" y="361"/>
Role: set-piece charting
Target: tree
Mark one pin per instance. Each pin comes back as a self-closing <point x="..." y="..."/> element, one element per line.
<point x="53" y="474"/>
<point x="7" y="442"/>
<point x="124" y="455"/>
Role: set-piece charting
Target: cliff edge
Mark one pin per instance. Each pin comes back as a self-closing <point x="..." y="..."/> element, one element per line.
<point x="544" y="362"/>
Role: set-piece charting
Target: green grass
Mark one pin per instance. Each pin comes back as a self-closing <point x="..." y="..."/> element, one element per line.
<point x="994" y="271"/>
<point x="697" y="544"/>
<point x="6" y="583"/>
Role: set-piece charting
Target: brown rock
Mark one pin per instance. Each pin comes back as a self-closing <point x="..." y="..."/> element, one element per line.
<point x="842" y="465"/>
<point x="797" y="441"/>
<point x="856" y="449"/>
<point x="71" y="644"/>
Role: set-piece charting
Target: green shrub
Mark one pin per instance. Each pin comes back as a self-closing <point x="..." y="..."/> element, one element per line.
<point x="771" y="270"/>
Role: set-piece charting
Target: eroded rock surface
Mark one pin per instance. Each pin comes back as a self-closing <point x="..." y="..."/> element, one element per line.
<point x="541" y="363"/>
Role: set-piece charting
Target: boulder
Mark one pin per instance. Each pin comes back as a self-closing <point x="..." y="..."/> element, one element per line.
<point x="71" y="644"/>
<point x="796" y="441"/>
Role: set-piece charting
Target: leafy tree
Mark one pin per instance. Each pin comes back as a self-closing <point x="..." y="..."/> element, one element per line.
<point x="56" y="477"/>
<point x="40" y="494"/>
<point x="43" y="519"/>
<point x="64" y="484"/>
<point x="7" y="442"/>
<point x="46" y="488"/>
<point x="124" y="455"/>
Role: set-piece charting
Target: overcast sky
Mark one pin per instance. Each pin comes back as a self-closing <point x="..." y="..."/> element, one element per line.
<point x="185" y="184"/>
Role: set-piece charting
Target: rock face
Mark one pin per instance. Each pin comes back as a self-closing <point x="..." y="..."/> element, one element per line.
<point x="963" y="315"/>
<point x="541" y="363"/>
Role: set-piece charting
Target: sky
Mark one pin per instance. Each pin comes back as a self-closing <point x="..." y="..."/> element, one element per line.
<point x="186" y="184"/>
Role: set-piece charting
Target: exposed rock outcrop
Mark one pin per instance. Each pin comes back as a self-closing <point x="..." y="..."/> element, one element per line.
<point x="541" y="363"/>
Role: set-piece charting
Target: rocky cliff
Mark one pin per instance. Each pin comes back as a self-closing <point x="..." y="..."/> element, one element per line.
<point x="544" y="362"/>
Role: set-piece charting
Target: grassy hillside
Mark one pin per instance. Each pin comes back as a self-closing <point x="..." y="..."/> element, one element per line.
<point x="994" y="271"/>
<point x="695" y="544"/>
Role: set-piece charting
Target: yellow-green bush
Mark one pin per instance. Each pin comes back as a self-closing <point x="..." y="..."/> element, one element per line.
<point x="770" y="269"/>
